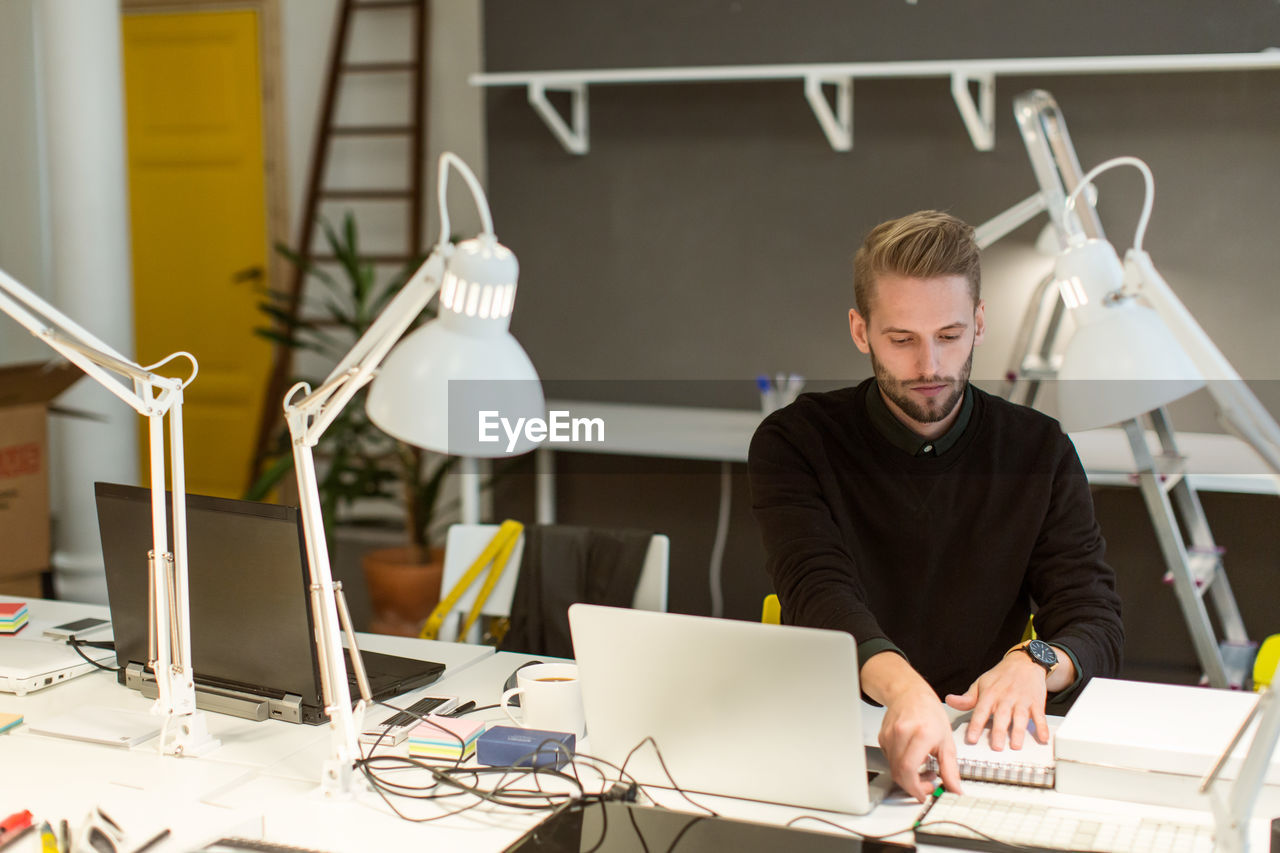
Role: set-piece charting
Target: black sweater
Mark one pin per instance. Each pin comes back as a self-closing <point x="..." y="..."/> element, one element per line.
<point x="941" y="556"/>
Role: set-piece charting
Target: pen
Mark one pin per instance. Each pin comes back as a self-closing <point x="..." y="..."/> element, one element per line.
<point x="463" y="708"/>
<point x="14" y="822"/>
<point x="156" y="839"/>
<point x="12" y="836"/>
<point x="48" y="841"/>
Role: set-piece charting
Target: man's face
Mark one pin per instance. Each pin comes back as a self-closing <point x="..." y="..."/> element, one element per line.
<point x="920" y="337"/>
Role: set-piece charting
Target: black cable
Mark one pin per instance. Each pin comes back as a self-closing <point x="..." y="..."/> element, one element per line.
<point x="450" y="780"/>
<point x="456" y="777"/>
<point x="657" y="751"/>
<point x="76" y="644"/>
<point x="1007" y="845"/>
<point x="864" y="836"/>
<point x="631" y="815"/>
<point x="604" y="829"/>
<point x="683" y="830"/>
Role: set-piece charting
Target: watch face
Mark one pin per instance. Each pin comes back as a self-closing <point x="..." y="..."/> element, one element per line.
<point x="1042" y="653"/>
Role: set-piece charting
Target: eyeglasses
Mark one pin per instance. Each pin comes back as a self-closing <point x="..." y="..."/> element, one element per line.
<point x="103" y="835"/>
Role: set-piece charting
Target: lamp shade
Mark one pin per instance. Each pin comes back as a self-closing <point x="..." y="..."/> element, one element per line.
<point x="1122" y="360"/>
<point x="462" y="384"/>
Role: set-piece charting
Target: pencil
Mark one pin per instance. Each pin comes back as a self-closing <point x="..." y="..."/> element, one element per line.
<point x="159" y="836"/>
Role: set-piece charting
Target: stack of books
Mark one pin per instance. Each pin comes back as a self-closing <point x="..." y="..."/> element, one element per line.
<point x="448" y="738"/>
<point x="13" y="616"/>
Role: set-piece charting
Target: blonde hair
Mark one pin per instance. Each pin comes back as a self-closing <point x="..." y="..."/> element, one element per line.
<point x="924" y="244"/>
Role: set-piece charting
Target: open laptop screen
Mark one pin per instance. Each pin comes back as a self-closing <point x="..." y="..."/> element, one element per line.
<point x="250" y="617"/>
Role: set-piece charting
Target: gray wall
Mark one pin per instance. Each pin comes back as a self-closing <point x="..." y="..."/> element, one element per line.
<point x="708" y="233"/>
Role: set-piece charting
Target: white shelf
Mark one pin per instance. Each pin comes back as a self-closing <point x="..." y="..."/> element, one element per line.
<point x="836" y="120"/>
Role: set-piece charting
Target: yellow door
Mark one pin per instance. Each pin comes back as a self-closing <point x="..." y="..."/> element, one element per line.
<point x="193" y="100"/>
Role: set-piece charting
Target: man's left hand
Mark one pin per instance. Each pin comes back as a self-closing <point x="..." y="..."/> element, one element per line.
<point x="1009" y="695"/>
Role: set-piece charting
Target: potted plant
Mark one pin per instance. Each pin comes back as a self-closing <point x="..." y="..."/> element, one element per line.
<point x="359" y="464"/>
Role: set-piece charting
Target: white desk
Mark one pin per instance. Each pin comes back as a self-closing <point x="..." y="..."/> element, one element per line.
<point x="262" y="781"/>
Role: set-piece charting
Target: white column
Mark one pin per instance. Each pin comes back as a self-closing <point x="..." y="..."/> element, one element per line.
<point x="82" y="92"/>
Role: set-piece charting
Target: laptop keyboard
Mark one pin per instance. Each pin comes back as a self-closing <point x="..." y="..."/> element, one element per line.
<point x="1041" y="828"/>
<point x="415" y="712"/>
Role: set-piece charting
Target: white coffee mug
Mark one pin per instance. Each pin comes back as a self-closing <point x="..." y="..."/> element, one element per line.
<point x="550" y="698"/>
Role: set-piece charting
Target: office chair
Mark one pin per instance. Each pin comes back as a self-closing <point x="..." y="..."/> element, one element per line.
<point x="466" y="541"/>
<point x="771" y="612"/>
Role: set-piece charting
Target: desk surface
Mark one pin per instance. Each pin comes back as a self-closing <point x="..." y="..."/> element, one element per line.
<point x="262" y="781"/>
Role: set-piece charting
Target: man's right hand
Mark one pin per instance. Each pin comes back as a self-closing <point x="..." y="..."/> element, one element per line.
<point x="915" y="725"/>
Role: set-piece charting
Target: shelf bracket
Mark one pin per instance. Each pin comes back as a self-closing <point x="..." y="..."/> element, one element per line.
<point x="574" y="139"/>
<point x="836" y="124"/>
<point x="979" y="118"/>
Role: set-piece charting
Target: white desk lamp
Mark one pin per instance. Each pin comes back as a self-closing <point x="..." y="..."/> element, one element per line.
<point x="1165" y="351"/>
<point x="1126" y="357"/>
<point x="427" y="394"/>
<point x="1123" y="360"/>
<point x="1233" y="808"/>
<point x="184" y="730"/>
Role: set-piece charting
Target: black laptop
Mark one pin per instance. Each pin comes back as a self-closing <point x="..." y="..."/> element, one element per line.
<point x="252" y="645"/>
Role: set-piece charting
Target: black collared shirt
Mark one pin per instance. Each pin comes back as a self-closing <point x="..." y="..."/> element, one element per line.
<point x="904" y="438"/>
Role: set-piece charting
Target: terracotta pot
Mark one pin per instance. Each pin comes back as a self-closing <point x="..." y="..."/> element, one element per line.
<point x="403" y="590"/>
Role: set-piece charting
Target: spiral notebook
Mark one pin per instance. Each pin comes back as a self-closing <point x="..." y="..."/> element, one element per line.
<point x="1032" y="765"/>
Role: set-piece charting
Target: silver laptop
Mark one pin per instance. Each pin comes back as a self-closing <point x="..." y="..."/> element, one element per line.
<point x="30" y="665"/>
<point x="739" y="709"/>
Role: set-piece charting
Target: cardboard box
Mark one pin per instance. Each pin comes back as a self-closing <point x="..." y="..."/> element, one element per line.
<point x="26" y="390"/>
<point x="30" y="585"/>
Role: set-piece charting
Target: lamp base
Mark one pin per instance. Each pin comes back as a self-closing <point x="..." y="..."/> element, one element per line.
<point x="339" y="780"/>
<point x="187" y="735"/>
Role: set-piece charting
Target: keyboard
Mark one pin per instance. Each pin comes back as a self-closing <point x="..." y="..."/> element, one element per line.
<point x="394" y="726"/>
<point x="1043" y="828"/>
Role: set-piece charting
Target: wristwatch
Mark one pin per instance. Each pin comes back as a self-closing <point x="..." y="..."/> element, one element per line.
<point x="1040" y="652"/>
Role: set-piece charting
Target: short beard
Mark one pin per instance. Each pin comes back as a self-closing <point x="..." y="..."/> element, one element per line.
<point x="923" y="411"/>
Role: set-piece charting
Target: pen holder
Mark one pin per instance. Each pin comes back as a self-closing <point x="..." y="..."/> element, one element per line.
<point x="780" y="391"/>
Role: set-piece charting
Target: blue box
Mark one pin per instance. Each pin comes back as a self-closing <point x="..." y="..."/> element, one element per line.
<point x="510" y="746"/>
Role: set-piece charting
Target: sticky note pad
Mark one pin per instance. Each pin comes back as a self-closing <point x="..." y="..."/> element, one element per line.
<point x="8" y="721"/>
<point x="13" y="616"/>
<point x="450" y="738"/>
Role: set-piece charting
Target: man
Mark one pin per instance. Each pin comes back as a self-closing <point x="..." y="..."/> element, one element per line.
<point x="929" y="519"/>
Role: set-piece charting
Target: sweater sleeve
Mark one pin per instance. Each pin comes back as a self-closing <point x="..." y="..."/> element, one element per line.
<point x="1073" y="588"/>
<point x="813" y="573"/>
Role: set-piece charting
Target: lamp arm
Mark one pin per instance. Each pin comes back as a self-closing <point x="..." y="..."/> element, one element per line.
<point x="1238" y="407"/>
<point x="322" y="405"/>
<point x="154" y="397"/>
<point x="308" y="418"/>
<point x="999" y="226"/>
<point x="1053" y="160"/>
<point x="1232" y="809"/>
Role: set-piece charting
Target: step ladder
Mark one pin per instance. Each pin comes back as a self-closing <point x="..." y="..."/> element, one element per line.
<point x="1192" y="559"/>
<point x="408" y="196"/>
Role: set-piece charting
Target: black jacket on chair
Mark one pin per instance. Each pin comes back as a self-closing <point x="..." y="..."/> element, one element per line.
<point x="564" y="564"/>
